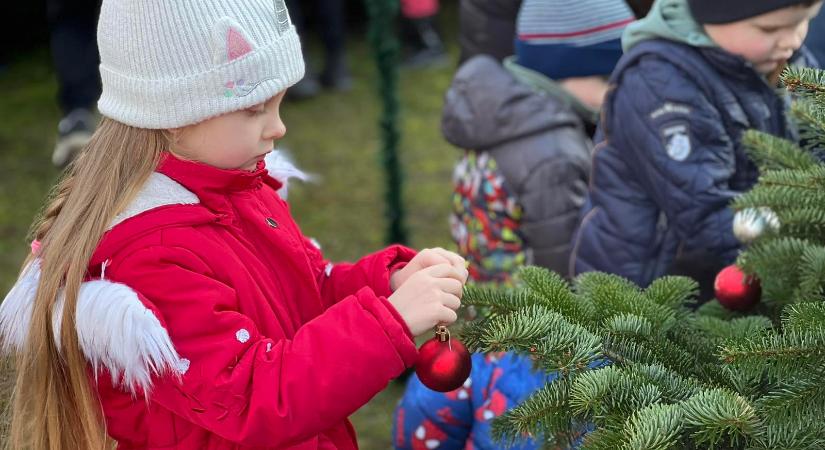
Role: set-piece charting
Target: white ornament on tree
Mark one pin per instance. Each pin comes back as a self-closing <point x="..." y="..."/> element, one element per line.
<point x="750" y="223"/>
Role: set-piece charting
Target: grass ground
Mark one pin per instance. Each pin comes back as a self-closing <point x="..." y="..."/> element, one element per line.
<point x="334" y="136"/>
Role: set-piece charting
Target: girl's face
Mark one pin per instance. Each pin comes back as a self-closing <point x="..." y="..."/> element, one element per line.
<point x="766" y="40"/>
<point x="236" y="140"/>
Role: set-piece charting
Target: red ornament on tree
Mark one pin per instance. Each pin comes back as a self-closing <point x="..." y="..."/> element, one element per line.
<point x="735" y="290"/>
<point x="443" y="362"/>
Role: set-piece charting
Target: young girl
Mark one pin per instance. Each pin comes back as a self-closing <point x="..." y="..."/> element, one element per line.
<point x="171" y="301"/>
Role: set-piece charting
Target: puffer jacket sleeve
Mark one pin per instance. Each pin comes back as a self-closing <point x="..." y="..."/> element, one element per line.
<point x="551" y="197"/>
<point x="339" y="280"/>
<point x="673" y="135"/>
<point x="257" y="390"/>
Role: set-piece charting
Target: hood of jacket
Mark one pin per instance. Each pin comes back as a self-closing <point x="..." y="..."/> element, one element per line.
<point x="489" y="104"/>
<point x="667" y="19"/>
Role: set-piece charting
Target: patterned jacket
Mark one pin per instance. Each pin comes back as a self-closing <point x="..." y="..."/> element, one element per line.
<point x="522" y="176"/>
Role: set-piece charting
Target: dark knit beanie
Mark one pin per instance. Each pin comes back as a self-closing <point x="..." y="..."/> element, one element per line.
<point x="726" y="11"/>
<point x="564" y="39"/>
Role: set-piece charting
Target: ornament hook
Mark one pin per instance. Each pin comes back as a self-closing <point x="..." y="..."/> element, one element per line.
<point x="443" y="335"/>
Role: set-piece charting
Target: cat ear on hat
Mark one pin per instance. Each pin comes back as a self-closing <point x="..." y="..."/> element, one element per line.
<point x="229" y="42"/>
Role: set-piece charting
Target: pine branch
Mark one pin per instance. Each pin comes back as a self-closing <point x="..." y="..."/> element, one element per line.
<point x="804" y="316"/>
<point x="656" y="427"/>
<point x="673" y="387"/>
<point x="778" y="196"/>
<point x="673" y="292"/>
<point x="799" y="400"/>
<point x="523" y="328"/>
<point x="716" y="416"/>
<point x="499" y="300"/>
<point x="473" y="334"/>
<point x="629" y="325"/>
<point x="779" y="356"/>
<point x="551" y="341"/>
<point x="811" y="119"/>
<point x="808" y="435"/>
<point x="811" y="275"/>
<point x="804" y="81"/>
<point x="610" y="394"/>
<point x="614" y="295"/>
<point x="718" y="330"/>
<point x="704" y="351"/>
<point x="603" y="439"/>
<point x="808" y="179"/>
<point x="775" y="261"/>
<point x="586" y="283"/>
<point x="544" y="413"/>
<point x="568" y="350"/>
<point x="626" y="351"/>
<point x="715" y="309"/>
<point x="807" y="223"/>
<point x="555" y="293"/>
<point x="770" y="152"/>
<point x="677" y="379"/>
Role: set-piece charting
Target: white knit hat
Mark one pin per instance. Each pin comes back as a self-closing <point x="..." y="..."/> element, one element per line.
<point x="170" y="63"/>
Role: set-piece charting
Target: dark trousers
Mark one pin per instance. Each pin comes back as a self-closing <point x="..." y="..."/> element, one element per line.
<point x="73" y="25"/>
<point x="330" y="21"/>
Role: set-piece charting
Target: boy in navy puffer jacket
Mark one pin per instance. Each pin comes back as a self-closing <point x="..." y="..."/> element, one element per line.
<point x="669" y="158"/>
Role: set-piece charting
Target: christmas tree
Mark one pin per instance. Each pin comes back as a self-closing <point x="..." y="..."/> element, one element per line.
<point x="650" y="369"/>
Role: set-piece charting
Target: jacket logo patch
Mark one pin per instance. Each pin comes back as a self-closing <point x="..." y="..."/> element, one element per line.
<point x="670" y="108"/>
<point x="677" y="141"/>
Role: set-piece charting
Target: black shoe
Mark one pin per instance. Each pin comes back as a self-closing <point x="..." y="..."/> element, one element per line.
<point x="305" y="89"/>
<point x="74" y="132"/>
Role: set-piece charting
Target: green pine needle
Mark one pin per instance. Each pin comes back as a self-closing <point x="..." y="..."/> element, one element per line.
<point x="544" y="413"/>
<point x="718" y="415"/>
<point x="656" y="427"/>
<point x="770" y="152"/>
<point x="803" y="316"/>
<point x="781" y="356"/>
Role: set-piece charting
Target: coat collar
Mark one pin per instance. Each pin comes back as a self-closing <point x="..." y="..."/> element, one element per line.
<point x="189" y="193"/>
<point x="205" y="180"/>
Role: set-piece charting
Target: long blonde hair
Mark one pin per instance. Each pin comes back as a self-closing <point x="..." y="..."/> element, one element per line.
<point x="55" y="406"/>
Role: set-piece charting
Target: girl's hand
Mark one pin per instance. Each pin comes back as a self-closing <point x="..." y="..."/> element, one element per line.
<point x="430" y="297"/>
<point x="427" y="258"/>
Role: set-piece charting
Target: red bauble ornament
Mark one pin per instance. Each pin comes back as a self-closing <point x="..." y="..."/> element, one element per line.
<point x="735" y="290"/>
<point x="443" y="362"/>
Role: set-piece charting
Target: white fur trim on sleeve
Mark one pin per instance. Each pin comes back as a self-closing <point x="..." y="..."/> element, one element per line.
<point x="16" y="309"/>
<point x="115" y="329"/>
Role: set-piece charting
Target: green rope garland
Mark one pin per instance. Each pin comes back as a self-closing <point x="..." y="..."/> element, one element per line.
<point x="385" y="46"/>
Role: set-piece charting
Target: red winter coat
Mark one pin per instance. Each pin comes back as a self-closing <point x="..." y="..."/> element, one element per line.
<point x="274" y="349"/>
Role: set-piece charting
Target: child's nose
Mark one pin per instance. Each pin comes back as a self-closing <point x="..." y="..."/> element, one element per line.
<point x="275" y="130"/>
<point x="793" y="40"/>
